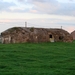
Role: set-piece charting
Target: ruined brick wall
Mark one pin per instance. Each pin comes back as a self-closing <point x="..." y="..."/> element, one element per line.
<point x="22" y="35"/>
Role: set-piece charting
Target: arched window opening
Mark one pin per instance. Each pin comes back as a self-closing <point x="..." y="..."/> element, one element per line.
<point x="61" y="37"/>
<point x="50" y="36"/>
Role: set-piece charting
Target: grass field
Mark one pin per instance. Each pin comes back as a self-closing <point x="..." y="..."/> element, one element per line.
<point x="37" y="59"/>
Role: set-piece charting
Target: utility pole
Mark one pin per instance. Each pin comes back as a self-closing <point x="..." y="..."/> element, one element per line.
<point x="25" y="24"/>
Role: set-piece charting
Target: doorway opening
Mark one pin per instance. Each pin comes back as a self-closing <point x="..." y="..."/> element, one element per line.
<point x="51" y="37"/>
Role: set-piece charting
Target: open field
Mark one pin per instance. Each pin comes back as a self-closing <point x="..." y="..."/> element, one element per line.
<point x="37" y="59"/>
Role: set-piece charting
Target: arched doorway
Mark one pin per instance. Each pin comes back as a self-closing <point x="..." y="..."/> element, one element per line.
<point x="51" y="38"/>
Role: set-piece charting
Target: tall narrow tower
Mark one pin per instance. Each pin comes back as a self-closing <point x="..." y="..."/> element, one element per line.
<point x="25" y="24"/>
<point x="61" y="27"/>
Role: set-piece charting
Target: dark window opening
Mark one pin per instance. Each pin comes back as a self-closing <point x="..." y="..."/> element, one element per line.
<point x="50" y="36"/>
<point x="23" y="33"/>
<point x="61" y="37"/>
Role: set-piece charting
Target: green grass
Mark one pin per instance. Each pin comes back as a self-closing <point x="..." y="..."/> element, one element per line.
<point x="37" y="59"/>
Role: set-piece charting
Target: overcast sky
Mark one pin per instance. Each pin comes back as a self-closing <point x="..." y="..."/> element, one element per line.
<point x="37" y="13"/>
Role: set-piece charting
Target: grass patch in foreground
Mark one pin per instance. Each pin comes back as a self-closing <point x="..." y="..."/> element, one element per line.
<point x="37" y="59"/>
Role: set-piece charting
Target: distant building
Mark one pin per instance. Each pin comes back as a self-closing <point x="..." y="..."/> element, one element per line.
<point x="24" y="34"/>
<point x="73" y="35"/>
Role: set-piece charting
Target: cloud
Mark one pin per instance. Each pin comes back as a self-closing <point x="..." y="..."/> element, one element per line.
<point x="51" y="7"/>
<point x="41" y="6"/>
<point x="54" y="7"/>
<point x="21" y="0"/>
<point x="46" y="7"/>
<point x="71" y="0"/>
<point x="66" y="9"/>
<point x="4" y="6"/>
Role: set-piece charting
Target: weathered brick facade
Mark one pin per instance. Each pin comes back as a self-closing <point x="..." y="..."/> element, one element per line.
<point x="22" y="35"/>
